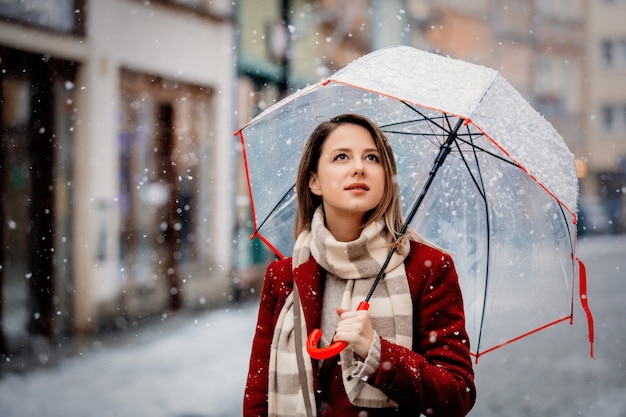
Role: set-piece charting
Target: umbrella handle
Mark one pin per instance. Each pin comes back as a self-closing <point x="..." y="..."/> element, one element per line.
<point x="334" y="348"/>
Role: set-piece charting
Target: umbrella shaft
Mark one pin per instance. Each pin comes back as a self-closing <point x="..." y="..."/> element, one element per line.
<point x="444" y="151"/>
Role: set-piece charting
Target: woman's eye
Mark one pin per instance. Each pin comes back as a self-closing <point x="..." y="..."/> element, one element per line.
<point x="372" y="157"/>
<point x="341" y="157"/>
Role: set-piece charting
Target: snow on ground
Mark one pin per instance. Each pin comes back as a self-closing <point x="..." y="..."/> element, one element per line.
<point x="194" y="364"/>
<point x="551" y="373"/>
<point x="191" y="367"/>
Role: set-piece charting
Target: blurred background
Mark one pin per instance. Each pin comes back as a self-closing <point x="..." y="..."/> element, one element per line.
<point x="123" y="195"/>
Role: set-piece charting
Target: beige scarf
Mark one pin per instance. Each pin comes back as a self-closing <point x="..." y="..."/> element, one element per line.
<point x="391" y="311"/>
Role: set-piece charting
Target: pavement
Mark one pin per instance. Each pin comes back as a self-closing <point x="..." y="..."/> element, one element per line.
<point x="193" y="363"/>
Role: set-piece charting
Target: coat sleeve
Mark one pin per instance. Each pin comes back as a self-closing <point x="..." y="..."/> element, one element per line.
<point x="255" y="395"/>
<point x="436" y="377"/>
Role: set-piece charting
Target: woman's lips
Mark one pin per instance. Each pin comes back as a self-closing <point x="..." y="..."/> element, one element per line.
<point x="358" y="186"/>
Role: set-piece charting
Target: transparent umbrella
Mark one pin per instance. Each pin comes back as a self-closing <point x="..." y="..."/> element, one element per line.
<point x="482" y="175"/>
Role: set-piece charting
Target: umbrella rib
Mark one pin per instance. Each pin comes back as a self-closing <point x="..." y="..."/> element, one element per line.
<point x="444" y="151"/>
<point x="427" y="136"/>
<point x="432" y="120"/>
<point x="488" y="225"/>
<point x="447" y="131"/>
<point x="481" y="186"/>
<point x="275" y="207"/>
<point x="399" y="132"/>
<point x="431" y="134"/>
<point x="572" y="251"/>
<point x="480" y="148"/>
<point x="406" y="122"/>
<point x="460" y="138"/>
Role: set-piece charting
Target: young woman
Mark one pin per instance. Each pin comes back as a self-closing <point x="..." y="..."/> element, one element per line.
<point x="409" y="353"/>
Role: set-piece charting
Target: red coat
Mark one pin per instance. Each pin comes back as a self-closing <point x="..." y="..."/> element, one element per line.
<point x="434" y="378"/>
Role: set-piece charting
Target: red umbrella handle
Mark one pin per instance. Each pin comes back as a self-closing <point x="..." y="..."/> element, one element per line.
<point x="334" y="348"/>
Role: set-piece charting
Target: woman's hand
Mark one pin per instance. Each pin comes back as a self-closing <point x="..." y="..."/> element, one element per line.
<point x="355" y="328"/>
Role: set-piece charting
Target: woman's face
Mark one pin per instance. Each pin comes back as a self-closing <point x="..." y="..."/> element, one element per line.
<point x="350" y="177"/>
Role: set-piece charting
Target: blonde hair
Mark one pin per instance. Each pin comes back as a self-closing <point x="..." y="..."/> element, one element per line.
<point x="390" y="207"/>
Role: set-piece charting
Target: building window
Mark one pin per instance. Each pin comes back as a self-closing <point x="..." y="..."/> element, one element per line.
<point x="218" y="10"/>
<point x="64" y="16"/>
<point x="560" y="9"/>
<point x="614" y="53"/>
<point x="614" y="118"/>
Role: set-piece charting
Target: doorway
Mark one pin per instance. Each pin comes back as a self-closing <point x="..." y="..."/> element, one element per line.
<point x="165" y="142"/>
<point x="37" y="112"/>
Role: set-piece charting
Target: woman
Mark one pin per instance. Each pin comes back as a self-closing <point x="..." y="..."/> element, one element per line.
<point x="409" y="353"/>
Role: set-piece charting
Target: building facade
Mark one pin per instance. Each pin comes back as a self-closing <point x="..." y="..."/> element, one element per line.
<point x="117" y="162"/>
<point x="122" y="186"/>
<point x="605" y="110"/>
<point x="564" y="56"/>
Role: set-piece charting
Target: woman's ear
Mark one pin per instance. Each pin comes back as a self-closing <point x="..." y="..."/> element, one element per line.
<point x="314" y="185"/>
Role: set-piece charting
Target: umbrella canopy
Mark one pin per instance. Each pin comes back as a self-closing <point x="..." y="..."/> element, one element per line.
<point x="503" y="202"/>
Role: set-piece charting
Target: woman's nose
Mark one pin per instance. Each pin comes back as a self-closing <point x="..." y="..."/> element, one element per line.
<point x="358" y="168"/>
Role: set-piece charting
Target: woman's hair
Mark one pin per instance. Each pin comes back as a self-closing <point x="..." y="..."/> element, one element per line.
<point x="390" y="207"/>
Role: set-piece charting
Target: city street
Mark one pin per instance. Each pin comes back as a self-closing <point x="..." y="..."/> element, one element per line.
<point x="194" y="364"/>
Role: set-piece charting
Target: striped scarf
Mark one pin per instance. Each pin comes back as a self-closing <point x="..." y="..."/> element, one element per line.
<point x="391" y="311"/>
